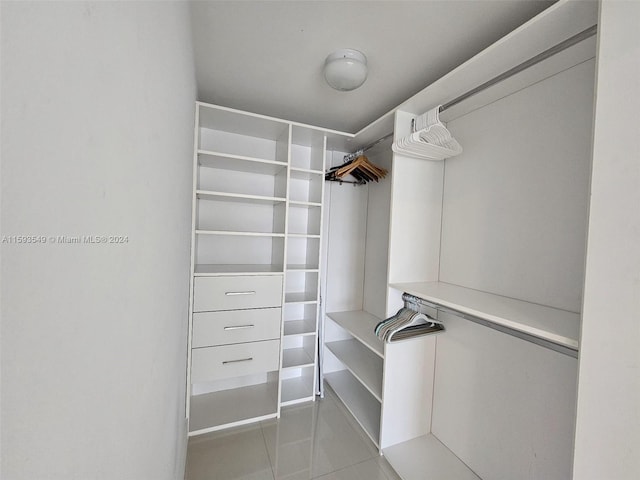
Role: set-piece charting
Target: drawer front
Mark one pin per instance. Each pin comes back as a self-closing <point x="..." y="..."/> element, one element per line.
<point x="215" y="363"/>
<point x="232" y="293"/>
<point x="235" y="326"/>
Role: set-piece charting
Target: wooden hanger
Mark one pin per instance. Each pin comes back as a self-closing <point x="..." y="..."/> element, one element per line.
<point x="362" y="167"/>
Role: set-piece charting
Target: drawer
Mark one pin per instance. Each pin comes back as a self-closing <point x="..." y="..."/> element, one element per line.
<point x="235" y="326"/>
<point x="215" y="363"/>
<point x="232" y="293"/>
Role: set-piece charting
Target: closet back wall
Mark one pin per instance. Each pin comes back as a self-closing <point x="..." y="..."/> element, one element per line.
<point x="97" y="139"/>
<point x="514" y="224"/>
<point x="515" y="202"/>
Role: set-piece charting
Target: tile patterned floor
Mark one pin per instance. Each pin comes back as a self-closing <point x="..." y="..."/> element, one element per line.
<point x="317" y="440"/>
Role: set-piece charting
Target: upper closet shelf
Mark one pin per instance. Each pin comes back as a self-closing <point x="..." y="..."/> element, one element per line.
<point x="559" y="327"/>
<point x="237" y="197"/>
<point x="239" y="163"/>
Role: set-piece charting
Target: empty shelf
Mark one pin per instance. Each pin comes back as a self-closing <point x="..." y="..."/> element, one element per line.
<point x="238" y="197"/>
<point x="240" y="234"/>
<point x="212" y="270"/>
<point x="296" y="390"/>
<point x="551" y="324"/>
<point x="426" y="458"/>
<point x="362" y="405"/>
<point x="303" y="297"/>
<point x="212" y="411"/>
<point x="303" y="268"/>
<point x="361" y="325"/>
<point x="300" y="327"/>
<point x="296" y="358"/>
<point x="365" y="365"/>
<point x="239" y="163"/>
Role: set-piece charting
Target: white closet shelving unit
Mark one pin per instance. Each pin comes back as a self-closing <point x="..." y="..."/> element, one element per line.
<point x="257" y="216"/>
<point x="446" y="412"/>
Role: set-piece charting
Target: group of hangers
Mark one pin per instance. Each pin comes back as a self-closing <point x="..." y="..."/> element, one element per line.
<point x="359" y="167"/>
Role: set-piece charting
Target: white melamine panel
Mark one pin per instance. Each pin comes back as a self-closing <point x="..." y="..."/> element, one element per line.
<point x="212" y="411"/>
<point x="504" y="406"/>
<point x="235" y="326"/>
<point x="407" y="389"/>
<point x="416" y="200"/>
<point x="377" y="246"/>
<point x="426" y="458"/>
<point x="227" y="361"/>
<point x="227" y="293"/>
<point x="515" y="201"/>
<point x="608" y="415"/>
<point x="346" y="231"/>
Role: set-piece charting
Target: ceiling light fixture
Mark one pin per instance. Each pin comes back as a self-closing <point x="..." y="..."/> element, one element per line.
<point x="345" y="69"/>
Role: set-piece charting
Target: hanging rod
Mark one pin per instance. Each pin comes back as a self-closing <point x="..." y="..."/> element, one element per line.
<point x="569" y="42"/>
<point x="360" y="151"/>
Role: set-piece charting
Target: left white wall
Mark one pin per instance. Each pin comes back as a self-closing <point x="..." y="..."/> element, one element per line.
<point x="97" y="139"/>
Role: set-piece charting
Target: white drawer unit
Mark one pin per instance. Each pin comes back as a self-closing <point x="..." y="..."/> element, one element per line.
<point x="215" y="363"/>
<point x="235" y="326"/>
<point x="239" y="292"/>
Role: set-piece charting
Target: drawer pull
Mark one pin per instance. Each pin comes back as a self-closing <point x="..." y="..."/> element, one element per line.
<point x="232" y="294"/>
<point x="236" y="361"/>
<point x="238" y="327"/>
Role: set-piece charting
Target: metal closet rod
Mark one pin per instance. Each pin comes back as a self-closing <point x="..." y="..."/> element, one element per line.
<point x="569" y="42"/>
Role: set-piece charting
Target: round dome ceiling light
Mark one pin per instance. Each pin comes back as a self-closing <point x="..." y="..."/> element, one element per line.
<point x="345" y="69"/>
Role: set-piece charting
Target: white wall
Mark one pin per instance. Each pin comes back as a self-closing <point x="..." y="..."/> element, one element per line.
<point x="608" y="418"/>
<point x="515" y="201"/>
<point x="97" y="136"/>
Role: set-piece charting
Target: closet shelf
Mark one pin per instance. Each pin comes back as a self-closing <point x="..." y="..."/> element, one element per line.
<point x="239" y="163"/>
<point x="303" y="204"/>
<point x="214" y="411"/>
<point x="238" y="197"/>
<point x="239" y="234"/>
<point x="300" y="327"/>
<point x="551" y="324"/>
<point x="296" y="390"/>
<point x="360" y="403"/>
<point x="360" y="325"/>
<point x="296" y="358"/>
<point x="365" y="365"/>
<point x="302" y="235"/>
<point x="303" y="268"/>
<point x="302" y="297"/>
<point x="426" y="457"/>
<point x="213" y="270"/>
<point x="305" y="173"/>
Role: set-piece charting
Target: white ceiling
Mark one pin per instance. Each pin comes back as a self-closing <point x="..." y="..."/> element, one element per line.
<point x="267" y="56"/>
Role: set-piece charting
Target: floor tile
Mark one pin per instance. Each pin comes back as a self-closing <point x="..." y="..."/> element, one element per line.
<point x="312" y="440"/>
<point x="387" y="469"/>
<point x="238" y="454"/>
<point x="367" y="470"/>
